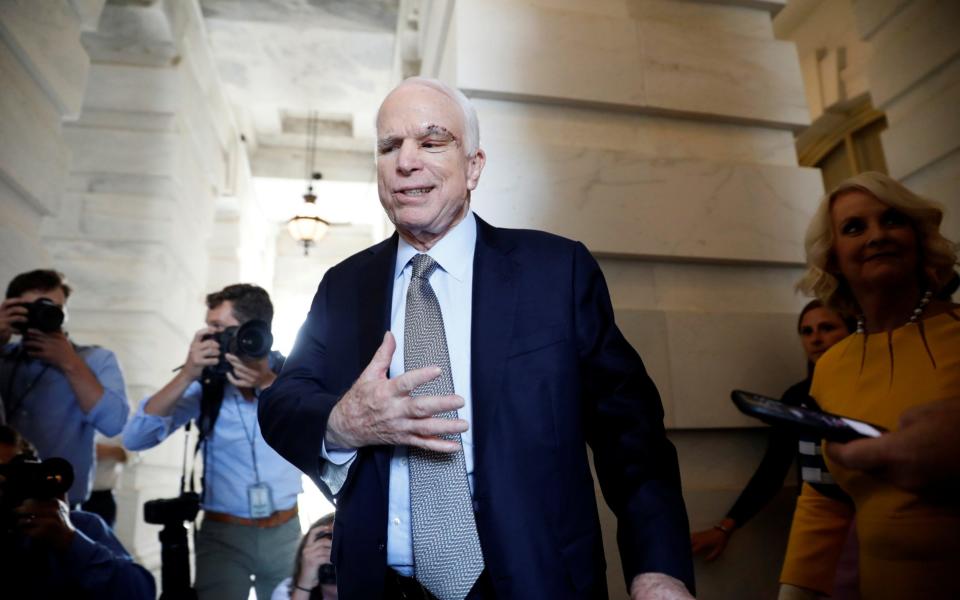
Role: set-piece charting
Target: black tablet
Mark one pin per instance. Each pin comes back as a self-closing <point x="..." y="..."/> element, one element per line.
<point x="823" y="424"/>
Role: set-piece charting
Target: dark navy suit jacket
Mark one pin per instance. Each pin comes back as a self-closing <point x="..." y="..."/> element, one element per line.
<point x="551" y="373"/>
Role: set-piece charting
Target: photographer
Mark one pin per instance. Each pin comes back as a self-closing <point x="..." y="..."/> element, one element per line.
<point x="57" y="394"/>
<point x="249" y="492"/>
<point x="49" y="551"/>
<point x="314" y="578"/>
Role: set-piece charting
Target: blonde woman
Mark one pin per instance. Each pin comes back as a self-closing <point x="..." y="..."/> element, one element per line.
<point x="874" y="251"/>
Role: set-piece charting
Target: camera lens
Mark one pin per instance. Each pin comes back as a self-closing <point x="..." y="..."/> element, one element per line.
<point x="254" y="339"/>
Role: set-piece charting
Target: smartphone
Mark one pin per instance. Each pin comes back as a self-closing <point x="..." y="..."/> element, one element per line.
<point x="823" y="424"/>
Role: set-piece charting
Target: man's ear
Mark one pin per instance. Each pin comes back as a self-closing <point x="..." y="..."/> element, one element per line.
<point x="475" y="165"/>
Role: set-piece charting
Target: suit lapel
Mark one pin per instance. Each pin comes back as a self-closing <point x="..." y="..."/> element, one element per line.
<point x="495" y="288"/>
<point x="373" y="312"/>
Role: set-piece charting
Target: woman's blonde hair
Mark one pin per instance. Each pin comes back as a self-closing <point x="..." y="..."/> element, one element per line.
<point x="938" y="255"/>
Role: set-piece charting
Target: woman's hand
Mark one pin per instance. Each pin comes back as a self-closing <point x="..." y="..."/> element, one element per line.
<point x="316" y="552"/>
<point x="712" y="542"/>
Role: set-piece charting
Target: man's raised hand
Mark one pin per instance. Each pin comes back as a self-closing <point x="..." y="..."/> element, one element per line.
<point x="377" y="410"/>
<point x="202" y="353"/>
<point x="11" y="312"/>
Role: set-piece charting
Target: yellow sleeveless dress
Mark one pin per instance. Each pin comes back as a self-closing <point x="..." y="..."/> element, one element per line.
<point x="909" y="547"/>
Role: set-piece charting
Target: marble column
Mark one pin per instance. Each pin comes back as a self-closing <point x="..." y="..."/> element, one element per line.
<point x="155" y="157"/>
<point x="44" y="70"/>
<point x="660" y="134"/>
<point x="914" y="77"/>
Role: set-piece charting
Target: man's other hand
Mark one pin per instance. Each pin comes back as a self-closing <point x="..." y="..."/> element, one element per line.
<point x="378" y="410"/>
<point x="52" y="348"/>
<point x="202" y="353"/>
<point x="11" y="312"/>
<point x="254" y="375"/>
<point x="922" y="456"/>
<point x="658" y="586"/>
<point x="47" y="522"/>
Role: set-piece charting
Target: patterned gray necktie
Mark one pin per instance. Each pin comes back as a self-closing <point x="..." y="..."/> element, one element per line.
<point x="446" y="547"/>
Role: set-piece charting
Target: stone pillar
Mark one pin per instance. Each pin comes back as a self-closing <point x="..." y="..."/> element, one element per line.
<point x="155" y="153"/>
<point x="44" y="70"/>
<point x="914" y="77"/>
<point x="660" y="134"/>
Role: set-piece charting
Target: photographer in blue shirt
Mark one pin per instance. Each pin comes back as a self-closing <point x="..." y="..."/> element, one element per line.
<point x="55" y="393"/>
<point x="249" y="492"/>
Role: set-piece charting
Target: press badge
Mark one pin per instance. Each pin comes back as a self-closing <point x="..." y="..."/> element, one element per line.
<point x="261" y="500"/>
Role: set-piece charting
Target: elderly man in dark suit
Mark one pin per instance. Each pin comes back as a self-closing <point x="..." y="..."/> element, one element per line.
<point x="454" y="444"/>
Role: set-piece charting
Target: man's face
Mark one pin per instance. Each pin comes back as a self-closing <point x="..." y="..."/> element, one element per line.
<point x="221" y="317"/>
<point x="423" y="176"/>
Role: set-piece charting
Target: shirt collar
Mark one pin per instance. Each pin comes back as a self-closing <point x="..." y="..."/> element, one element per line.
<point x="454" y="251"/>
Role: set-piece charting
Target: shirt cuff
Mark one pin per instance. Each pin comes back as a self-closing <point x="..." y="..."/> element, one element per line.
<point x="145" y="430"/>
<point x="335" y="467"/>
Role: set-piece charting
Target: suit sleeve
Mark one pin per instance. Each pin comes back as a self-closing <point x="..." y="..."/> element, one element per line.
<point x="635" y="462"/>
<point x="293" y="412"/>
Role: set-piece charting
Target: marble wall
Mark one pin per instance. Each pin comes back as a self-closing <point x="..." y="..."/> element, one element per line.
<point x="914" y="77"/>
<point x="659" y="133"/>
<point x="44" y="69"/>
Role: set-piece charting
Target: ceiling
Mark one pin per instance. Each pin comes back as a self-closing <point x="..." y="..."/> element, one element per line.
<point x="280" y="59"/>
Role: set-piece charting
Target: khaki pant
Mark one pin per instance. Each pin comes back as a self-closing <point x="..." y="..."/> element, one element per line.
<point x="228" y="554"/>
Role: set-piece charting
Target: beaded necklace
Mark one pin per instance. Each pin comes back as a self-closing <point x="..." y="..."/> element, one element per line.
<point x="914" y="316"/>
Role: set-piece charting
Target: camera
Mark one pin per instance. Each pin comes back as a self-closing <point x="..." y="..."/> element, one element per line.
<point x="174" y="546"/>
<point x="172" y="510"/>
<point x="26" y="477"/>
<point x="42" y="314"/>
<point x="250" y="340"/>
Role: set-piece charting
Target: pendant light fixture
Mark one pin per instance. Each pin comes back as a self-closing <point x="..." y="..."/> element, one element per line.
<point x="307" y="227"/>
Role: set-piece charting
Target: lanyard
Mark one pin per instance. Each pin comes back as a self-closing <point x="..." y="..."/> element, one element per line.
<point x="251" y="437"/>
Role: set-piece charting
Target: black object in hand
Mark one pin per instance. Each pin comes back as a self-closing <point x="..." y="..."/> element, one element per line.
<point x="253" y="339"/>
<point x="42" y="314"/>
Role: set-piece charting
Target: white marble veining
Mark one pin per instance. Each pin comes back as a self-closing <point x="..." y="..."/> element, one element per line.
<point x="269" y="66"/>
<point x="911" y="45"/>
<point x="698" y="287"/>
<point x="619" y="203"/>
<point x="646" y="64"/>
<point x="46" y="36"/>
<point x="133" y="34"/>
<point x="714" y="353"/>
<point x="514" y="123"/>
<point x="118" y="87"/>
<point x="697" y="358"/>
<point x="873" y="14"/>
<point x="33" y="157"/>
<point x="928" y="133"/>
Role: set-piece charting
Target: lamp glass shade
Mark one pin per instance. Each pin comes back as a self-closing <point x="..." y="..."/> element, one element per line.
<point x="307" y="226"/>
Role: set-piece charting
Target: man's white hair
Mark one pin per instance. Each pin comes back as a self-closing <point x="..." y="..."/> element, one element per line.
<point x="471" y="124"/>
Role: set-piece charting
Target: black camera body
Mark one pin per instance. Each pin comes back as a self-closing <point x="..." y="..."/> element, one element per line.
<point x="26" y="477"/>
<point x="253" y="339"/>
<point x="42" y="314"/>
<point x="174" y="546"/>
<point x="172" y="510"/>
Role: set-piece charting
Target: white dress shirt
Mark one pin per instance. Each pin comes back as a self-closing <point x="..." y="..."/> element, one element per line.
<point x="452" y="283"/>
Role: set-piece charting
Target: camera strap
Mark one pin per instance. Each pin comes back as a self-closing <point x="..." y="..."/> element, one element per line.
<point x="8" y="372"/>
